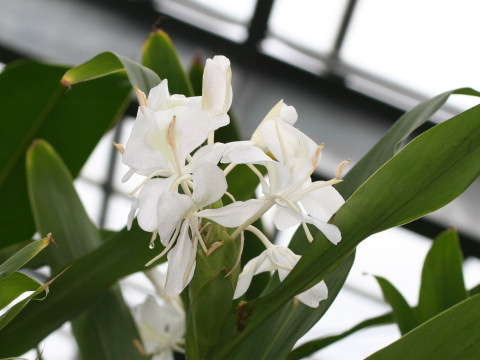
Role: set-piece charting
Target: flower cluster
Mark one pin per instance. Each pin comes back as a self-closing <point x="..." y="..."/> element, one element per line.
<point x="172" y="145"/>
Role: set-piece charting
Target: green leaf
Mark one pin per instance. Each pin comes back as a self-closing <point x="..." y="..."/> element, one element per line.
<point x="57" y="207"/>
<point x="313" y="346"/>
<point x="428" y="173"/>
<point x="275" y="338"/>
<point x="108" y="63"/>
<point x="79" y="287"/>
<point x="392" y="141"/>
<point x="451" y="335"/>
<point x="107" y="331"/>
<point x="35" y="106"/>
<point x="195" y="74"/>
<point x="211" y="294"/>
<point x="403" y="314"/>
<point x="7" y="317"/>
<point x="160" y="55"/>
<point x="15" y="285"/>
<point x="21" y="257"/>
<point x="442" y="283"/>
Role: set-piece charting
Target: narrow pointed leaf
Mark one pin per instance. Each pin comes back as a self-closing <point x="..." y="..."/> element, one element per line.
<point x="107" y="331"/>
<point x="442" y="283"/>
<point x="313" y="346"/>
<point x="15" y="285"/>
<point x="79" y="287"/>
<point x="451" y="335"/>
<point x="160" y="55"/>
<point x="108" y="63"/>
<point x="37" y="105"/>
<point x="23" y="256"/>
<point x="57" y="207"/>
<point x="392" y="141"/>
<point x="403" y="313"/>
<point x="429" y="172"/>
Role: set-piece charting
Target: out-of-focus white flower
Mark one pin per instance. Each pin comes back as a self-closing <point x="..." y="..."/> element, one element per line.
<point x="281" y="259"/>
<point x="161" y="327"/>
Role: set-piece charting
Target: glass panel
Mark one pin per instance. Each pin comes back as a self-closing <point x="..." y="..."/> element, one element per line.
<point x="241" y="11"/>
<point x="429" y="45"/>
<point x="306" y="23"/>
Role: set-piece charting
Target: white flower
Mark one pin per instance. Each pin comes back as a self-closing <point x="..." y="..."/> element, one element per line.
<point x="161" y="327"/>
<point x="281" y="259"/>
<point x="177" y="216"/>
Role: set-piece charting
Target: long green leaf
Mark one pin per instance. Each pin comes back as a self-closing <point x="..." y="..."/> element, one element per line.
<point x="442" y="283"/>
<point x="108" y="63"/>
<point x="79" y="287"/>
<point x="15" y="285"/>
<point x="451" y="335"/>
<point x="403" y="313"/>
<point x="428" y="173"/>
<point x="21" y="257"/>
<point x="313" y="346"/>
<point x="107" y="331"/>
<point x="160" y="55"/>
<point x="35" y="106"/>
<point x="57" y="208"/>
<point x="394" y="138"/>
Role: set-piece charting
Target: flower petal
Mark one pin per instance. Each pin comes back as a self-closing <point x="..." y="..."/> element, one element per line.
<point x="178" y="262"/>
<point x="331" y="232"/>
<point x="209" y="184"/>
<point x="242" y="152"/>
<point x="323" y="202"/>
<point x="147" y="203"/>
<point x="171" y="210"/>
<point x="314" y="295"/>
<point x="217" y="87"/>
<point x="234" y="214"/>
<point x="250" y="269"/>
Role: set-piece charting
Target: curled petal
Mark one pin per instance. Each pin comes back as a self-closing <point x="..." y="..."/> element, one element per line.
<point x="331" y="232"/>
<point x="242" y="152"/>
<point x="234" y="214"/>
<point x="314" y="295"/>
<point x="249" y="270"/>
<point x="159" y="97"/>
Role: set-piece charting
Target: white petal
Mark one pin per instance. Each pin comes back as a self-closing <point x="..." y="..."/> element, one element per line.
<point x="208" y="153"/>
<point x="285" y="218"/>
<point x="322" y="203"/>
<point x="172" y="208"/>
<point x="217" y="88"/>
<point x="242" y="152"/>
<point x="295" y="143"/>
<point x="250" y="269"/>
<point x="191" y="129"/>
<point x="159" y="97"/>
<point x="178" y="261"/>
<point x="331" y="232"/>
<point x="234" y="214"/>
<point x="148" y="199"/>
<point x="288" y="114"/>
<point x="209" y="184"/>
<point x="139" y="153"/>
<point x="314" y="295"/>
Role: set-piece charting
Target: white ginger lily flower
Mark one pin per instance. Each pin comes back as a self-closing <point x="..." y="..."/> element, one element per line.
<point x="178" y="218"/>
<point x="284" y="260"/>
<point x="161" y="327"/>
<point x="289" y="187"/>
